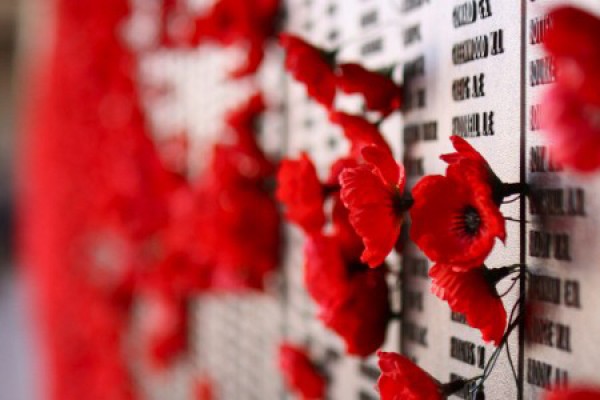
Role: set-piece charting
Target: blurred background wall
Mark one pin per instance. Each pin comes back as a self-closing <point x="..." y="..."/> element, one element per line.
<point x="16" y="376"/>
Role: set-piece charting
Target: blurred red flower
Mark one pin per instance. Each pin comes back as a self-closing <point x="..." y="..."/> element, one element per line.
<point x="300" y="373"/>
<point x="353" y="300"/>
<point x="572" y="107"/>
<point x="573" y="129"/>
<point x="454" y="217"/>
<point x="372" y="192"/>
<point x="472" y="294"/>
<point x="402" y="379"/>
<point x="380" y="92"/>
<point x="299" y="189"/>
<point x="204" y="389"/>
<point x="574" y="393"/>
<point x="325" y="276"/>
<point x="310" y="66"/>
<point x="573" y="41"/>
<point x="247" y="24"/>
<point x="361" y="317"/>
<point x="359" y="132"/>
<point x="165" y="329"/>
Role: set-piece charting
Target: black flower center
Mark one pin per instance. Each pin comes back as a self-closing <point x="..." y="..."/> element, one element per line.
<point x="401" y="202"/>
<point x="471" y="221"/>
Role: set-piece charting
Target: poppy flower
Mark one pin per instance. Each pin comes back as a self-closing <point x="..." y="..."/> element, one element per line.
<point x="325" y="276"/>
<point x="204" y="389"/>
<point x="311" y="66"/>
<point x="243" y="118"/>
<point x="300" y="373"/>
<point x="574" y="393"/>
<point x="379" y="91"/>
<point x="373" y="193"/>
<point x="573" y="129"/>
<point x="455" y="219"/>
<point x="361" y="316"/>
<point x="165" y="327"/>
<point x="350" y="243"/>
<point x="359" y="132"/>
<point x="470" y="162"/>
<point x="353" y="300"/>
<point x="572" y="106"/>
<point x="402" y="379"/>
<point x="573" y="41"/>
<point x="299" y="189"/>
<point x="473" y="294"/>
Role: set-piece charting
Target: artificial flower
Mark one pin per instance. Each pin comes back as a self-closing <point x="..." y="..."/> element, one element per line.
<point x="353" y="300"/>
<point x="573" y="129"/>
<point x="300" y="373"/>
<point x="310" y="66"/>
<point x="325" y="276"/>
<point x="373" y="193"/>
<point x="402" y="379"/>
<point x="350" y="243"/>
<point x="572" y="107"/>
<point x="204" y="388"/>
<point x="361" y="317"/>
<point x="243" y="118"/>
<point x="299" y="189"/>
<point x="473" y="294"/>
<point x="165" y="329"/>
<point x="455" y="218"/>
<point x="246" y="24"/>
<point x="572" y="40"/>
<point x="380" y="92"/>
<point x="359" y="132"/>
<point x="574" y="393"/>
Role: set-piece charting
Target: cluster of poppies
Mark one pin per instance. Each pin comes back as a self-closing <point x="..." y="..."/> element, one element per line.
<point x="353" y="299"/>
<point x="245" y="24"/>
<point x="455" y="218"/>
<point x="572" y="106"/>
<point x="123" y="225"/>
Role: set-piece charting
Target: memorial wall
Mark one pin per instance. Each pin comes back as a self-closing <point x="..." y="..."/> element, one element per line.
<point x="473" y="69"/>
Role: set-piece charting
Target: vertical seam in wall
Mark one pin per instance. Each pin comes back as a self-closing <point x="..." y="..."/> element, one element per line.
<point x="522" y="202"/>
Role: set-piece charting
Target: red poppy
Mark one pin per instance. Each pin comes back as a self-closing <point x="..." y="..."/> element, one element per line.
<point x="248" y="24"/>
<point x="353" y="300"/>
<point x="245" y="225"/>
<point x="380" y="92"/>
<point x="573" y="41"/>
<point x="165" y="329"/>
<point x="574" y="393"/>
<point x="571" y="108"/>
<point x="402" y="379"/>
<point x="454" y="217"/>
<point x="300" y="373"/>
<point x="299" y="189"/>
<point x="310" y="66"/>
<point x="468" y="160"/>
<point x="470" y="293"/>
<point x="325" y="276"/>
<point x="573" y="129"/>
<point x="204" y="389"/>
<point x="359" y="132"/>
<point x="350" y="243"/>
<point x="243" y="118"/>
<point x="361" y="317"/>
<point x="373" y="194"/>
